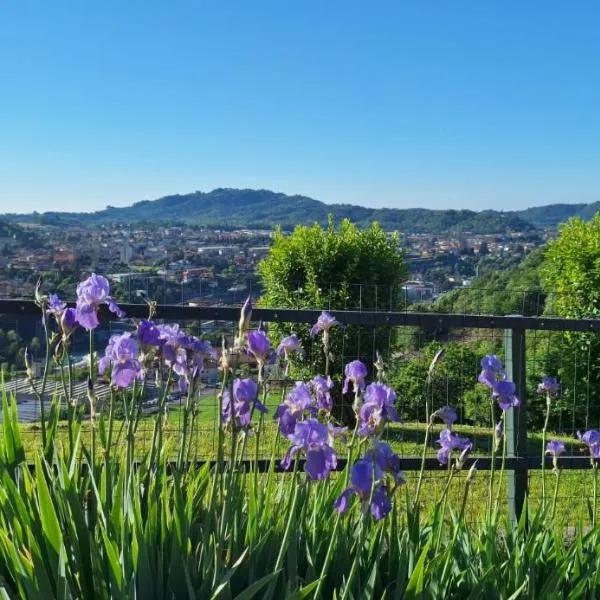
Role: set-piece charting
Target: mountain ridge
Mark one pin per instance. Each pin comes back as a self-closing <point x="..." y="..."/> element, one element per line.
<point x="231" y="207"/>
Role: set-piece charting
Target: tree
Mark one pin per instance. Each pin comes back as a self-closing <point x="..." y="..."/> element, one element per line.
<point x="334" y="268"/>
<point x="571" y="276"/>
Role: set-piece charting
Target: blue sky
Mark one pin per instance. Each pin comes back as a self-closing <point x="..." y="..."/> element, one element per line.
<point x="436" y="104"/>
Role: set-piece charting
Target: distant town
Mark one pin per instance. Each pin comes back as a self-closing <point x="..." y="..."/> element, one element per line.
<point x="197" y="265"/>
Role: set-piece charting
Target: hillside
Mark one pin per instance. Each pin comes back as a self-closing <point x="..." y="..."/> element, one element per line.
<point x="263" y="208"/>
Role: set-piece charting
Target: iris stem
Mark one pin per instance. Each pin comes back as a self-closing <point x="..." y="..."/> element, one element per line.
<point x="423" y="455"/>
<point x="502" y="467"/>
<point x="556" y="482"/>
<point x="595" y="492"/>
<point x="493" y="465"/>
<point x="544" y="430"/>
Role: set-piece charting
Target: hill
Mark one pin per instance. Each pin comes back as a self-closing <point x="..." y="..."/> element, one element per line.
<point x="264" y="209"/>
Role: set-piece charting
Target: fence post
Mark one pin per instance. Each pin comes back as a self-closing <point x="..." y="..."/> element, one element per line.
<point x="516" y="420"/>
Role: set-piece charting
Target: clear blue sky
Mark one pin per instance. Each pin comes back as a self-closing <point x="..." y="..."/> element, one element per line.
<point x="438" y="104"/>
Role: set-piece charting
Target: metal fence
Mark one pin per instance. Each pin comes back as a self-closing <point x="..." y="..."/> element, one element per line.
<point x="512" y="333"/>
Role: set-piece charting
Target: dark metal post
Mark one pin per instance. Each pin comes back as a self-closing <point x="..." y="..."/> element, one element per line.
<point x="516" y="420"/>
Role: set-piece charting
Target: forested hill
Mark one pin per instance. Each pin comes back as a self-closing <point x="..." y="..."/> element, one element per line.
<point x="263" y="208"/>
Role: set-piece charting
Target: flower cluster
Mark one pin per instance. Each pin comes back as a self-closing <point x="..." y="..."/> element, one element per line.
<point x="237" y="410"/>
<point x="493" y="376"/>
<point x="368" y="481"/>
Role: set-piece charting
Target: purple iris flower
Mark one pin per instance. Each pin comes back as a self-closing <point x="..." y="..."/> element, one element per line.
<point x="239" y="411"/>
<point x="447" y="414"/>
<point x="555" y="448"/>
<point x="450" y="441"/>
<point x="92" y="293"/>
<point x="68" y="321"/>
<point x="259" y="345"/>
<point x="122" y="353"/>
<point x="491" y="370"/>
<point x="504" y="392"/>
<point x="363" y="475"/>
<point x="312" y="437"/>
<point x="149" y="334"/>
<point x="289" y="345"/>
<point x="321" y="388"/>
<point x="386" y="459"/>
<point x="291" y="410"/>
<point x="183" y="353"/>
<point x="377" y="409"/>
<point x="355" y="372"/>
<point x="65" y="317"/>
<point x="549" y="386"/>
<point x="324" y="323"/>
<point x="55" y="305"/>
<point x="591" y="439"/>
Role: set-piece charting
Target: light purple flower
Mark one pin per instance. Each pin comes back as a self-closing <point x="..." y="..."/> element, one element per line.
<point x="259" y="345"/>
<point x="91" y="294"/>
<point x="549" y="386"/>
<point x="450" y="441"/>
<point x="555" y="448"/>
<point x="313" y="438"/>
<point x="239" y="411"/>
<point x="386" y="459"/>
<point x="321" y="388"/>
<point x="491" y="370"/>
<point x="377" y="409"/>
<point x="447" y="414"/>
<point x="355" y="372"/>
<point x="292" y="409"/>
<point x="288" y="346"/>
<point x="504" y="392"/>
<point x="66" y="318"/>
<point x="591" y="439"/>
<point x="55" y="305"/>
<point x="324" y="323"/>
<point x="122" y="353"/>
<point x="183" y="353"/>
<point x="363" y="476"/>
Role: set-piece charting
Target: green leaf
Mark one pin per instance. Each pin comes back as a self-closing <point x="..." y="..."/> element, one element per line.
<point x="416" y="583"/>
<point x="255" y="587"/>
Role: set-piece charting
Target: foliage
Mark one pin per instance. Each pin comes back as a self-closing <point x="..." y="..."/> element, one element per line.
<point x="517" y="290"/>
<point x="571" y="271"/>
<point x="337" y="268"/>
<point x="453" y="381"/>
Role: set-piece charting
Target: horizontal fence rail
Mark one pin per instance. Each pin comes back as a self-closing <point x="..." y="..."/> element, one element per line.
<point x="347" y="317"/>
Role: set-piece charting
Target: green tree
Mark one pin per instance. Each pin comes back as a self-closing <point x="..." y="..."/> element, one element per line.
<point x="334" y="268"/>
<point x="571" y="276"/>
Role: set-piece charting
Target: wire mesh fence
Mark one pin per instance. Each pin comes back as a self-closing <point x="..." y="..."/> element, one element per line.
<point x="408" y="340"/>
